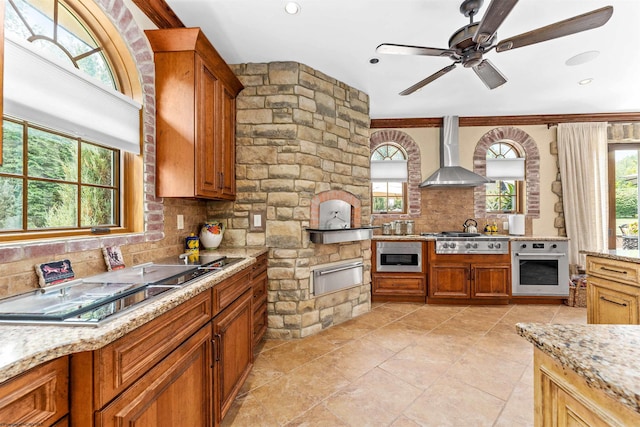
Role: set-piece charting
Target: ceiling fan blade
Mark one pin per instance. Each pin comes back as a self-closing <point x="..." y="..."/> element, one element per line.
<point x="423" y="83"/>
<point x="587" y="21"/>
<point x="489" y="74"/>
<point x="494" y="16"/>
<point x="401" y="49"/>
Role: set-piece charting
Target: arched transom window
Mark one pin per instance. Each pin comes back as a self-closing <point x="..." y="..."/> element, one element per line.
<point x="389" y="179"/>
<point x="51" y="26"/>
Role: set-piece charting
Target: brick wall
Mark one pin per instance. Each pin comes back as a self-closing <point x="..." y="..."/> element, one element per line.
<point x="299" y="133"/>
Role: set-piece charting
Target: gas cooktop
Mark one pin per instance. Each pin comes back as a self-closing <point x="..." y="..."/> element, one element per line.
<point x="95" y="299"/>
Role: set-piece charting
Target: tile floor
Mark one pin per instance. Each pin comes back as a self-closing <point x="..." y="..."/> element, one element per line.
<point x="401" y="365"/>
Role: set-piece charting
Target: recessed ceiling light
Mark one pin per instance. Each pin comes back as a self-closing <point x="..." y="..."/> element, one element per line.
<point x="374" y="60"/>
<point x="292" y="8"/>
<point x="583" y="57"/>
<point x="585" y="81"/>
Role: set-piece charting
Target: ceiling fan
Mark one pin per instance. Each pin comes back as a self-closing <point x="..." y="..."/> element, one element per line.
<point x="468" y="45"/>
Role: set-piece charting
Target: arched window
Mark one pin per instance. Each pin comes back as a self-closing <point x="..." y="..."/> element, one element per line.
<point x="389" y="177"/>
<point x="506" y="167"/>
<point x="57" y="180"/>
<point x="53" y="27"/>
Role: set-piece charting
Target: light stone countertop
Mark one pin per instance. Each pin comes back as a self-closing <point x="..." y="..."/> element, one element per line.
<point x="23" y="347"/>
<point x="629" y="255"/>
<point x="605" y="356"/>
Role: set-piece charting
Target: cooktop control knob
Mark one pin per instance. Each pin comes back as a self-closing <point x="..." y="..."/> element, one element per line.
<point x="554" y="246"/>
<point x="468" y="246"/>
<point x="523" y="246"/>
<point x="490" y="245"/>
<point x="498" y="245"/>
<point x="475" y="246"/>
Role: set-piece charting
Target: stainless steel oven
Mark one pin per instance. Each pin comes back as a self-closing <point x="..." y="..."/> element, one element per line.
<point x="540" y="268"/>
<point x="399" y="257"/>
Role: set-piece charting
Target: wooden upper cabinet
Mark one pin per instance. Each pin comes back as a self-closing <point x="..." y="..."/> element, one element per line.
<point x="195" y="116"/>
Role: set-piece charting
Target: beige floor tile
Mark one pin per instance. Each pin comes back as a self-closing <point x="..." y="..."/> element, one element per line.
<point x="395" y="336"/>
<point x="518" y="412"/>
<point x="487" y="372"/>
<point x="450" y="402"/>
<point x="248" y="411"/>
<point x="356" y="358"/>
<point x="402" y="365"/>
<point x="317" y="416"/>
<point x="375" y="399"/>
<point x="403" y="307"/>
<point x="403" y="421"/>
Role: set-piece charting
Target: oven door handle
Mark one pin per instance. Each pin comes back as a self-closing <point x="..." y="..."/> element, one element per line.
<point x="341" y="268"/>
<point x="530" y="255"/>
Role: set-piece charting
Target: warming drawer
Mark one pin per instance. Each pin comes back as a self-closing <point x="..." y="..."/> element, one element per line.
<point x="338" y="276"/>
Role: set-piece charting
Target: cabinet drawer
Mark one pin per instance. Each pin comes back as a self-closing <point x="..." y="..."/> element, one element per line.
<point x="227" y="291"/>
<point x="39" y="396"/>
<point x="122" y="362"/>
<point x="259" y="267"/>
<point x="259" y="290"/>
<point x="399" y="285"/>
<point x="620" y="271"/>
<point x="612" y="303"/>
<point x="259" y="323"/>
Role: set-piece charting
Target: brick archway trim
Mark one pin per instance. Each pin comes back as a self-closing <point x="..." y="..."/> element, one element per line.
<point x="413" y="164"/>
<point x="527" y="147"/>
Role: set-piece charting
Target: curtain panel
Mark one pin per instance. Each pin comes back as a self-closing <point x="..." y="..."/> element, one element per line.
<point x="582" y="155"/>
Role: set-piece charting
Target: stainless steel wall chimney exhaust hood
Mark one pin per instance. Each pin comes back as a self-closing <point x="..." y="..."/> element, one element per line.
<point x="451" y="174"/>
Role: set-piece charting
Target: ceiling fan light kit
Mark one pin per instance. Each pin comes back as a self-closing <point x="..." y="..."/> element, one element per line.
<point x="468" y="45"/>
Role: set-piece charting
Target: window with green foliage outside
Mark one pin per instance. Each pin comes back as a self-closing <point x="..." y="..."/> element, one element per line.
<point x="388" y="179"/>
<point x="52" y="181"/>
<point x="502" y="195"/>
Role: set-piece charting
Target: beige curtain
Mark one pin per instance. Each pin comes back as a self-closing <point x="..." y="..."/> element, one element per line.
<point x="582" y="154"/>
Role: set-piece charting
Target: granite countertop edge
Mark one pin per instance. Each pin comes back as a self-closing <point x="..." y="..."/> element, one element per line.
<point x="628" y="255"/>
<point x="23" y="347"/>
<point x="605" y="356"/>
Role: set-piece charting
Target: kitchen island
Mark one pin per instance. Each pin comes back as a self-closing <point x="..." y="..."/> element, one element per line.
<point x="585" y="374"/>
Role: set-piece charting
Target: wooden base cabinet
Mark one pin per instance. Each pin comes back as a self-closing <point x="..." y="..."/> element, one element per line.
<point x="176" y="392"/>
<point x="613" y="292"/>
<point x="38" y="397"/>
<point x="564" y="399"/>
<point x="398" y="286"/>
<point x="183" y="368"/>
<point x="479" y="282"/>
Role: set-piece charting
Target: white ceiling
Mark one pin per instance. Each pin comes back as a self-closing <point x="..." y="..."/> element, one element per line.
<point x="339" y="37"/>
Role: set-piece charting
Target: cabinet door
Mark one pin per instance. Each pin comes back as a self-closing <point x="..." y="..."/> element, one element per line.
<point x="449" y="281"/>
<point x="37" y="397"/>
<point x="176" y="392"/>
<point x="233" y="352"/>
<point x="490" y="281"/>
<point x="208" y="179"/>
<point x="227" y="145"/>
<point x="612" y="303"/>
